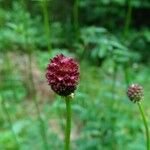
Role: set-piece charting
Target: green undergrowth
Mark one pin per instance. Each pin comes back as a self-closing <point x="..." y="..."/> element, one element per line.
<point x="103" y="117"/>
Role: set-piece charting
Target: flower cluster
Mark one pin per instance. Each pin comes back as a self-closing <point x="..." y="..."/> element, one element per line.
<point x="135" y="92"/>
<point x="63" y="75"/>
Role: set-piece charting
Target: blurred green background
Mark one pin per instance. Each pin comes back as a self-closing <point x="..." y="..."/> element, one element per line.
<point x="111" y="41"/>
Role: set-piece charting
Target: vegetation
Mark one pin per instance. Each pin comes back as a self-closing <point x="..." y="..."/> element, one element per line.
<point x="109" y="38"/>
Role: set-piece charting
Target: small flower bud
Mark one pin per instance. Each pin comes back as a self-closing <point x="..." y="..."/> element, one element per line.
<point x="63" y="75"/>
<point x="135" y="93"/>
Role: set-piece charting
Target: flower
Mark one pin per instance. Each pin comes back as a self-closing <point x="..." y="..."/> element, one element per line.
<point x="135" y="92"/>
<point x="63" y="75"/>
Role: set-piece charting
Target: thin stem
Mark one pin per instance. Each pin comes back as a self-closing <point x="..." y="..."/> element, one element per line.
<point x="128" y="18"/>
<point x="10" y="70"/>
<point x="10" y="123"/>
<point x="114" y="81"/>
<point x="46" y="23"/>
<point x="33" y="92"/>
<point x="75" y="17"/>
<point x="42" y="126"/>
<point x="4" y="107"/>
<point x="113" y="102"/>
<point x="41" y="122"/>
<point x="126" y="74"/>
<point x="68" y="123"/>
<point x="145" y="124"/>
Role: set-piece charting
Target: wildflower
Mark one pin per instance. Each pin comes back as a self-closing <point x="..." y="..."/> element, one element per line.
<point x="63" y="75"/>
<point x="135" y="92"/>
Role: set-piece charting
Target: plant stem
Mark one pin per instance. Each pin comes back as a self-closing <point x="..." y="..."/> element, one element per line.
<point x="114" y="81"/>
<point x="46" y="23"/>
<point x="128" y="19"/>
<point x="10" y="71"/>
<point x="68" y="123"/>
<point x="10" y="123"/>
<point x="42" y="126"/>
<point x="145" y="124"/>
<point x="4" y="107"/>
<point x="33" y="92"/>
<point x="41" y="122"/>
<point x="75" y="17"/>
<point x="126" y="74"/>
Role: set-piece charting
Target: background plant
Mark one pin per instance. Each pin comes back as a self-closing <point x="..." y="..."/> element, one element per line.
<point x="109" y="60"/>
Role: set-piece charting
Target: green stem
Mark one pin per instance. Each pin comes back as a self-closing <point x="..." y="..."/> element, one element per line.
<point x="10" y="124"/>
<point x="10" y="71"/>
<point x="114" y="81"/>
<point x="41" y="122"/>
<point x="33" y="92"/>
<point x="145" y="124"/>
<point x="42" y="126"/>
<point x="75" y="17"/>
<point x="46" y="23"/>
<point x="68" y="123"/>
<point x="4" y="107"/>
<point x="128" y="18"/>
<point x="126" y="74"/>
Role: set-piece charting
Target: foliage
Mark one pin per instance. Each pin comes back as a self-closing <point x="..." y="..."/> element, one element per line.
<point x="103" y="118"/>
<point x="97" y="44"/>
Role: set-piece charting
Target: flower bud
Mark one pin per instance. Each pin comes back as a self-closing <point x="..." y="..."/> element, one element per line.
<point x="63" y="75"/>
<point x="135" y="92"/>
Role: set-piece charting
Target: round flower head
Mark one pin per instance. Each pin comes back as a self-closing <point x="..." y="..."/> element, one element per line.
<point x="63" y="75"/>
<point x="135" y="92"/>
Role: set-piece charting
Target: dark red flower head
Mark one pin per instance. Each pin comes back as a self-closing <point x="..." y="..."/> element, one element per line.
<point x="63" y="75"/>
<point x="135" y="92"/>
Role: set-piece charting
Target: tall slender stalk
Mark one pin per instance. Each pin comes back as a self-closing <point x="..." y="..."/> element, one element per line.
<point x="41" y="122"/>
<point x="126" y="74"/>
<point x="125" y="33"/>
<point x="30" y="47"/>
<point x="4" y="107"/>
<point x="75" y="17"/>
<point x="10" y="69"/>
<point x="34" y="94"/>
<point x="46" y="22"/>
<point x="68" y="123"/>
<point x="114" y="81"/>
<point x="145" y="125"/>
<point x="42" y="126"/>
<point x="128" y="18"/>
<point x="113" y="103"/>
